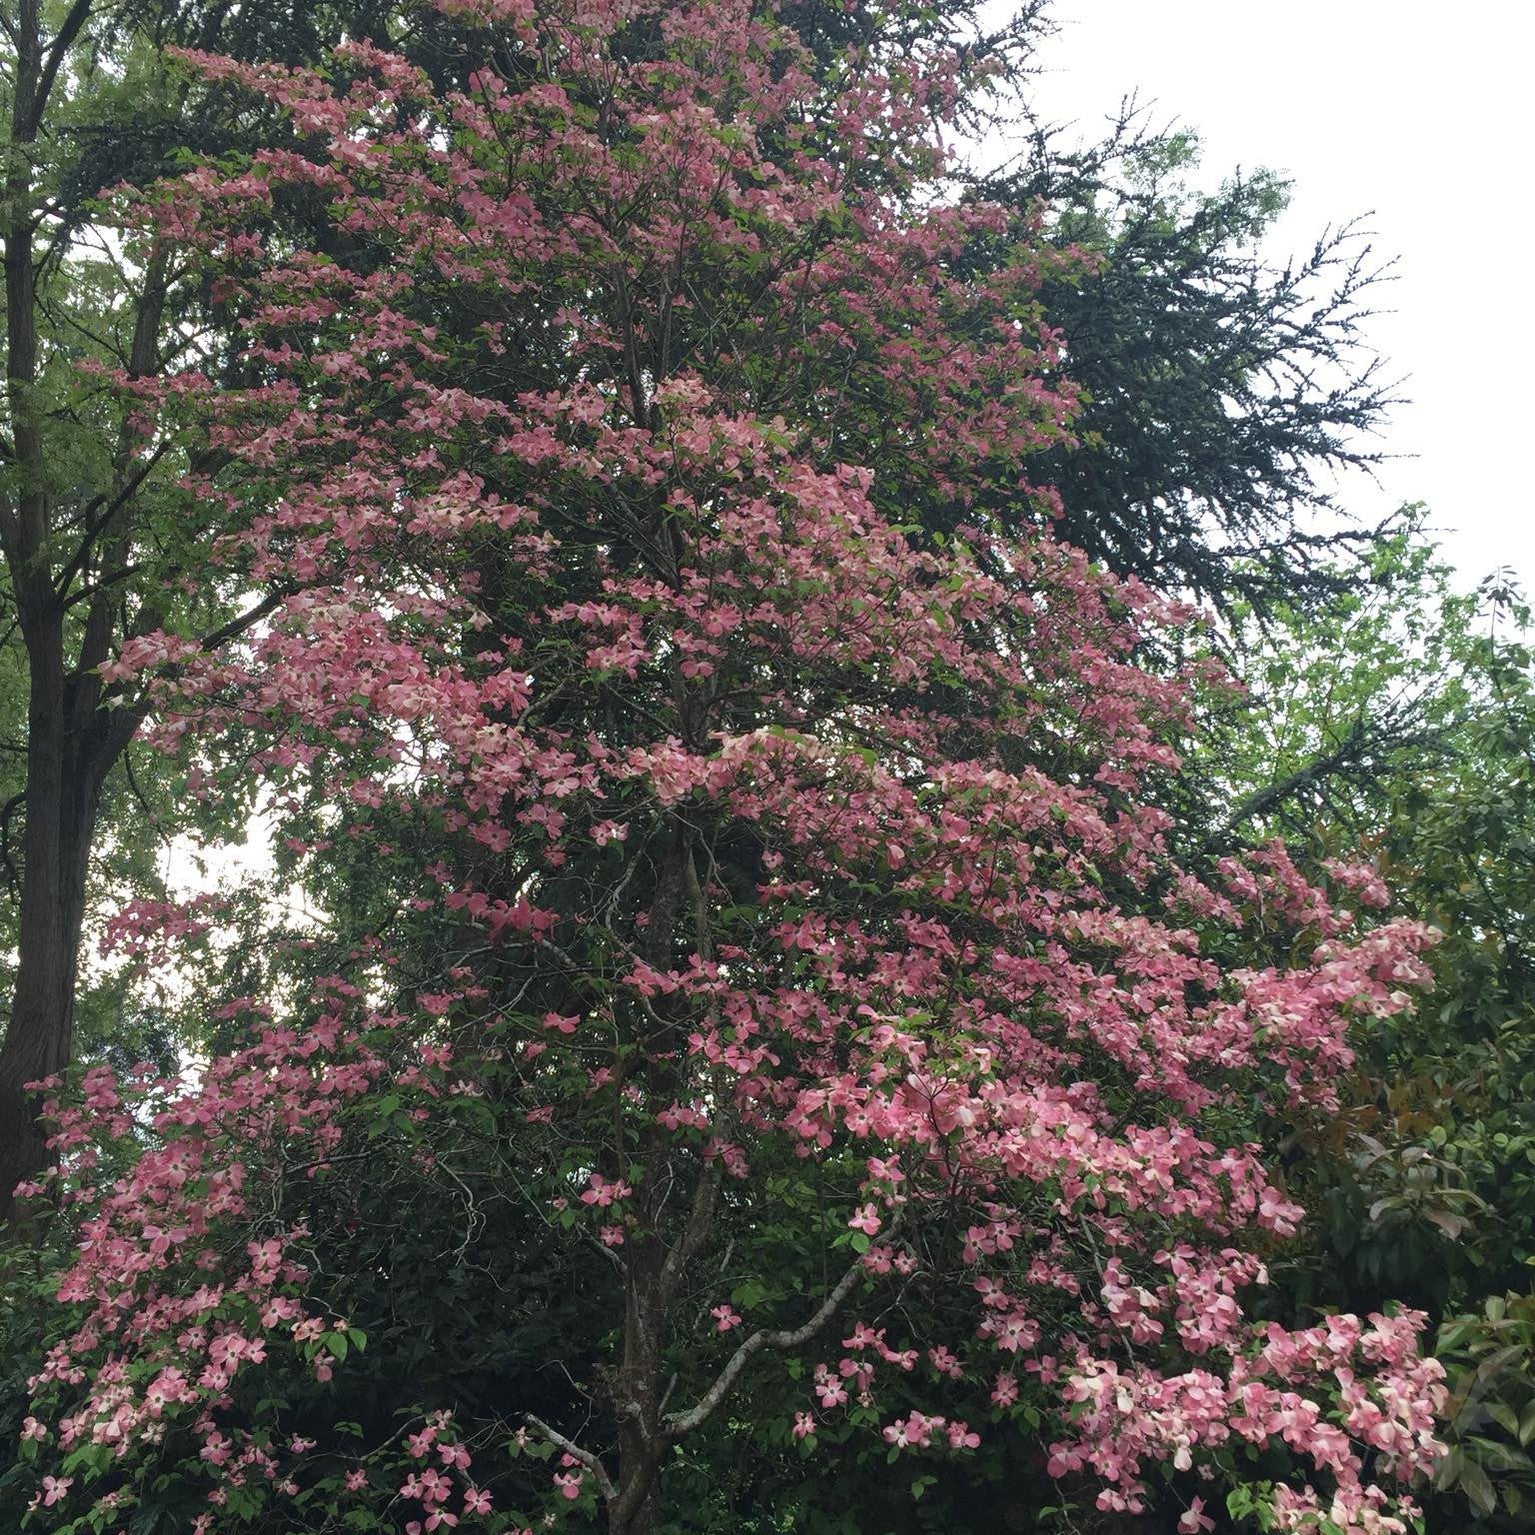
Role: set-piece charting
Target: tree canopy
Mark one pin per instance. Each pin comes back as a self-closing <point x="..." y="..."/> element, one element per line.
<point x="813" y="953"/>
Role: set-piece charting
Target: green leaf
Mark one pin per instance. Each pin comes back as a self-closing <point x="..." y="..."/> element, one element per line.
<point x="1478" y="1487"/>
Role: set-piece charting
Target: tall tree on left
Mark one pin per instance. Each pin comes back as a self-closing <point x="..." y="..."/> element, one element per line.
<point x="99" y="542"/>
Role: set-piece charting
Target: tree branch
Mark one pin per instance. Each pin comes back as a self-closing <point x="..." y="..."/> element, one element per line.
<point x="12" y="878"/>
<point x="78" y="14"/>
<point x="679" y="1424"/>
<point x="576" y="1453"/>
<point x="237" y="626"/>
<point x="1318" y="768"/>
<point x="96" y="525"/>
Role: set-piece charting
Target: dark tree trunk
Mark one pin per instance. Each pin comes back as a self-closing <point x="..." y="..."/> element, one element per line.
<point x="634" y="1511"/>
<point x="67" y="762"/>
<point x="60" y="820"/>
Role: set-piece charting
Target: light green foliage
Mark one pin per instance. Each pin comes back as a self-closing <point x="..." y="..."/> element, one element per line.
<point x="1401" y="728"/>
<point x="1344" y="707"/>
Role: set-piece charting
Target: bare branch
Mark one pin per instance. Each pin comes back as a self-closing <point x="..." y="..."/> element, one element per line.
<point x="680" y="1424"/>
<point x="576" y="1453"/>
<point x="237" y="626"/>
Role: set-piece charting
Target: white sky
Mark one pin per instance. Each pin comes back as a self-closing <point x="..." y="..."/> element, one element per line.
<point x="1417" y="114"/>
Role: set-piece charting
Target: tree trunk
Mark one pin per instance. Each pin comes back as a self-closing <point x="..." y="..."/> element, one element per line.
<point x="65" y="771"/>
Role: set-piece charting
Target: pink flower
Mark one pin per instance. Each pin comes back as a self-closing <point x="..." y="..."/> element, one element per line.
<point x="1194" y="1520"/>
<point x="600" y="1192"/>
<point x="56" y="1489"/>
<point x="865" y="1219"/>
<point x="804" y="1425"/>
<point x="724" y="1318"/>
<point x="962" y="1436"/>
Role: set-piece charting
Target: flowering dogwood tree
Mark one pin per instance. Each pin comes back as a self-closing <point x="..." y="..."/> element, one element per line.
<point x="795" y="913"/>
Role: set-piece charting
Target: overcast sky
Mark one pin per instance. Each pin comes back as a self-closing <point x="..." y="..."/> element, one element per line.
<point x="1417" y="114"/>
